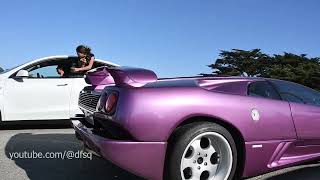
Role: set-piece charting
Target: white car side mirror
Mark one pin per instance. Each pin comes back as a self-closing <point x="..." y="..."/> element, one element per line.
<point x="22" y="74"/>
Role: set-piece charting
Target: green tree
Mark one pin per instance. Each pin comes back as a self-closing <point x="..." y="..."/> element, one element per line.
<point x="240" y="63"/>
<point x="254" y="63"/>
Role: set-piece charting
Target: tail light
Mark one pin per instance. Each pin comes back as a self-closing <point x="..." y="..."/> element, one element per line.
<point x="111" y="102"/>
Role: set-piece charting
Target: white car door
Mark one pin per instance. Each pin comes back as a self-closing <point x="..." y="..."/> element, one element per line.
<point x="77" y="85"/>
<point x="43" y="96"/>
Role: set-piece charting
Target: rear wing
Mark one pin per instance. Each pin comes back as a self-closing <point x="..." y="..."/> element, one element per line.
<point x="120" y="76"/>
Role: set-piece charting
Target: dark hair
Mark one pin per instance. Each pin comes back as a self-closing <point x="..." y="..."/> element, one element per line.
<point x="84" y="49"/>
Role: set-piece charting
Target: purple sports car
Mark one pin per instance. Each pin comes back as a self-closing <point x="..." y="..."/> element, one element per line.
<point x="215" y="128"/>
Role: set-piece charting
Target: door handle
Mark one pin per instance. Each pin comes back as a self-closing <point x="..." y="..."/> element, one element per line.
<point x="62" y="85"/>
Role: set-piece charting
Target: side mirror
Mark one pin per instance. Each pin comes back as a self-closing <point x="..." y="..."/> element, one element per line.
<point x="22" y="74"/>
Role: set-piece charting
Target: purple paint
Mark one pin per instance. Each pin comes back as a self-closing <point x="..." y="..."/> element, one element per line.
<point x="150" y="110"/>
<point x="145" y="159"/>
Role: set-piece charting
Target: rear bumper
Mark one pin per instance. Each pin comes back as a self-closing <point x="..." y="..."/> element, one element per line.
<point x="145" y="159"/>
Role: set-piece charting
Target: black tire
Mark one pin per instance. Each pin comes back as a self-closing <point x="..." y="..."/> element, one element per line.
<point x="180" y="141"/>
<point x="1" y="118"/>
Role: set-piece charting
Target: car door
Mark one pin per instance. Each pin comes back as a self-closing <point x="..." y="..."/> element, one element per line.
<point x="44" y="95"/>
<point x="305" y="108"/>
<point x="267" y="112"/>
<point x="78" y="84"/>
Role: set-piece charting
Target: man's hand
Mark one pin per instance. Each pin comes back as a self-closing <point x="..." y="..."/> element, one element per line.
<point x="83" y="60"/>
<point x="61" y="72"/>
<point x="73" y="69"/>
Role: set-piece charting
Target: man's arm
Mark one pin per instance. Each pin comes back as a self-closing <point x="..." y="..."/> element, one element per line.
<point x="86" y="68"/>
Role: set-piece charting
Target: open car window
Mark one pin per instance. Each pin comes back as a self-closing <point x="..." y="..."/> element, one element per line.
<point x="47" y="69"/>
<point x="73" y="60"/>
<point x="45" y="72"/>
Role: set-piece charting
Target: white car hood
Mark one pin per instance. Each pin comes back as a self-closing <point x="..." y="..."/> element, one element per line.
<point x="2" y="79"/>
<point x="1" y="84"/>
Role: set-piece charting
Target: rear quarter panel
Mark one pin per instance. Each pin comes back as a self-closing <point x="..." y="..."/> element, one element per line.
<point x="152" y="114"/>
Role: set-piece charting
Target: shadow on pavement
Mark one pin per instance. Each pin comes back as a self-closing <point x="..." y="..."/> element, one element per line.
<point x="48" y="124"/>
<point x="52" y="169"/>
<point x="305" y="173"/>
<point x="97" y="168"/>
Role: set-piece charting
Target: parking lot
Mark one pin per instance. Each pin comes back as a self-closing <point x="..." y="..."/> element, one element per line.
<point x="59" y="139"/>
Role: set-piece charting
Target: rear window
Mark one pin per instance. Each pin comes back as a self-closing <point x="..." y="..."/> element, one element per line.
<point x="263" y="89"/>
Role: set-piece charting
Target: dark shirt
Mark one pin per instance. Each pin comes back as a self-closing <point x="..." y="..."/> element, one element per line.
<point x="74" y="62"/>
<point x="78" y="63"/>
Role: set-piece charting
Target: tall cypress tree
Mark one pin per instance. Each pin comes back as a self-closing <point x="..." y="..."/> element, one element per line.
<point x="254" y="63"/>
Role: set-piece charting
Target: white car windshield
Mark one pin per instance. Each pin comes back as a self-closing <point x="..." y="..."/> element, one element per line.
<point x="7" y="70"/>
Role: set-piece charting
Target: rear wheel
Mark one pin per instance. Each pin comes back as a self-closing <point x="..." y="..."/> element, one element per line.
<point x="201" y="151"/>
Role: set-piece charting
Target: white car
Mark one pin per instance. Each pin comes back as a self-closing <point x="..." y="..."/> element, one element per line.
<point x="35" y="90"/>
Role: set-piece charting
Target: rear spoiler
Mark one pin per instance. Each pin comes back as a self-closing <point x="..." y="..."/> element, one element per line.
<point x="120" y="76"/>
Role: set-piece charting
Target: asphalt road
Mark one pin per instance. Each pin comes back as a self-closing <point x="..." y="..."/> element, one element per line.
<point x="60" y="140"/>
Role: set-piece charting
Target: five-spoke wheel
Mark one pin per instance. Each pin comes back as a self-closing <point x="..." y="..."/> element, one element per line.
<point x="201" y="151"/>
<point x="207" y="156"/>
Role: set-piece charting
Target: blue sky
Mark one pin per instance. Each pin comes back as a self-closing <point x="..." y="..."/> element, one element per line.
<point x="171" y="37"/>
